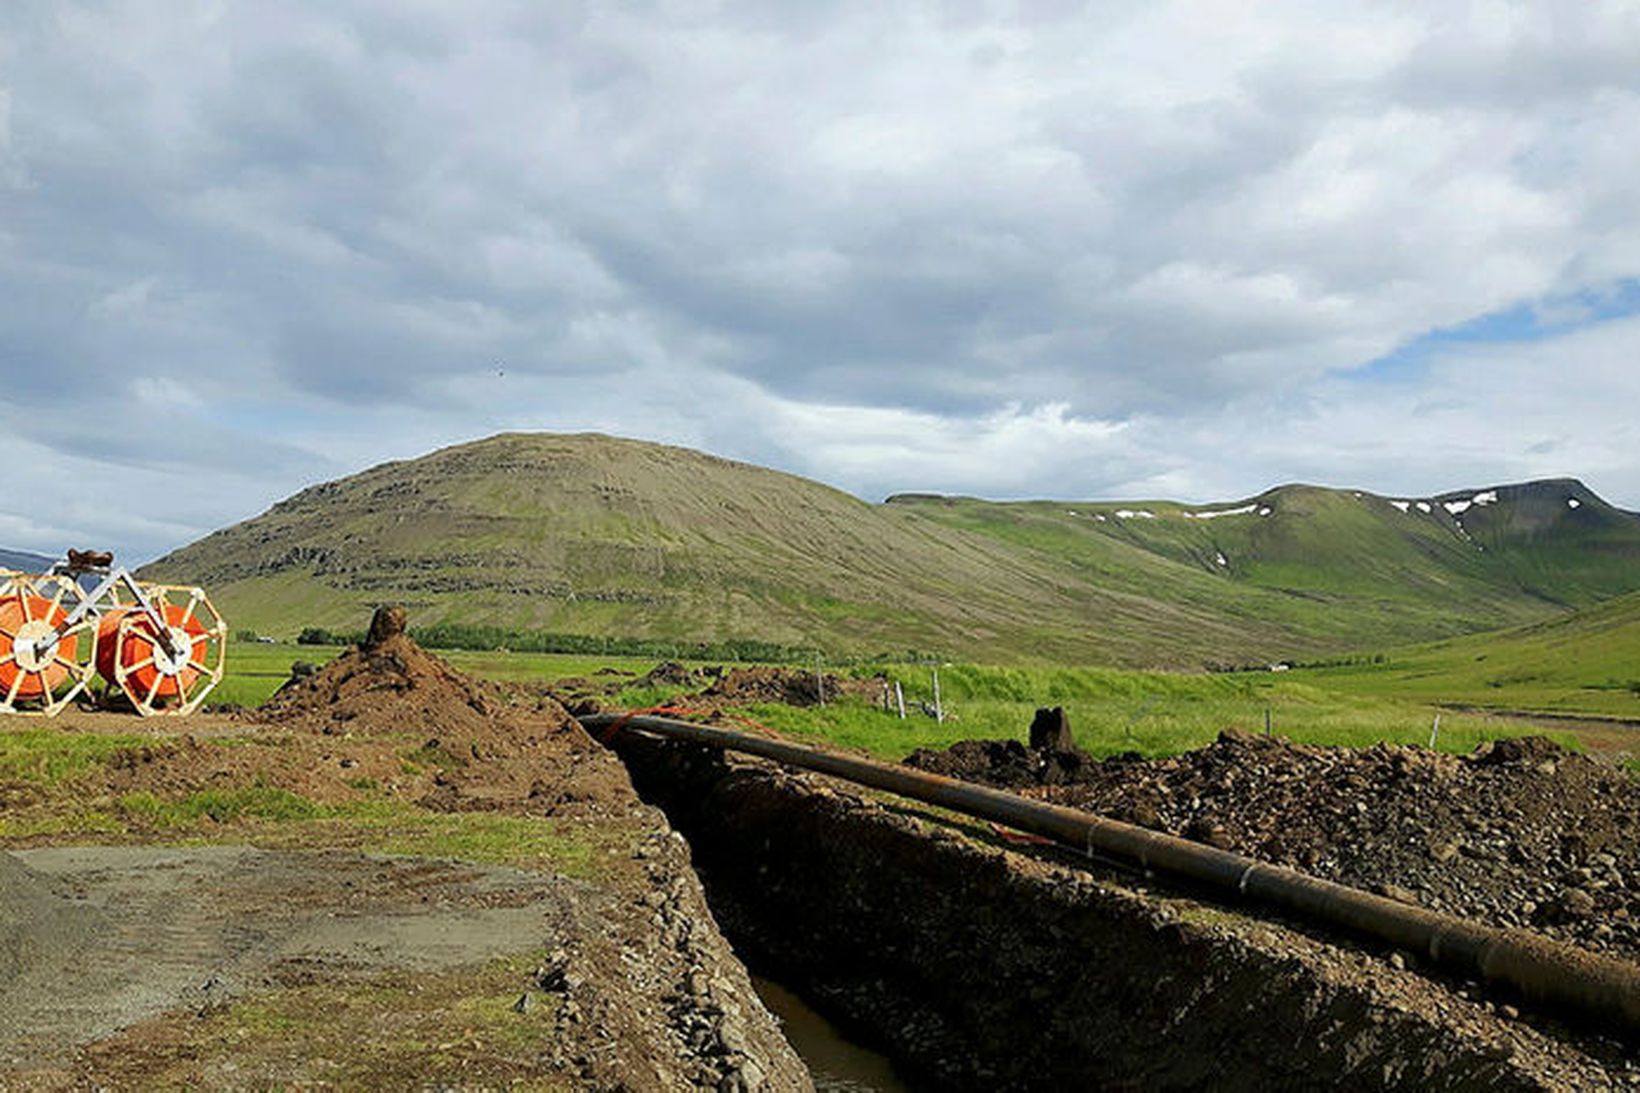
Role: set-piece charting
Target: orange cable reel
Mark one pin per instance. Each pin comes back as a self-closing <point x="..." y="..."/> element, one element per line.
<point x="44" y="662"/>
<point x="169" y="670"/>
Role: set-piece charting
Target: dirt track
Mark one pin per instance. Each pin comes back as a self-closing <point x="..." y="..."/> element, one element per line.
<point x="100" y="938"/>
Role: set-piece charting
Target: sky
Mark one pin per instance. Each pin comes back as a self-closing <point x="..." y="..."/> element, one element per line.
<point x="1098" y="251"/>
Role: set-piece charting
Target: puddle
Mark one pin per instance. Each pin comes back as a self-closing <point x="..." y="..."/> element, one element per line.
<point x="837" y="1063"/>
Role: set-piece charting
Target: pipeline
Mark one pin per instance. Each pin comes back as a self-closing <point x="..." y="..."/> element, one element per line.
<point x="1543" y="971"/>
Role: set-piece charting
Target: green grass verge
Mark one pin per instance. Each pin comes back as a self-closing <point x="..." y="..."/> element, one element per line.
<point x="51" y="756"/>
<point x="265" y="815"/>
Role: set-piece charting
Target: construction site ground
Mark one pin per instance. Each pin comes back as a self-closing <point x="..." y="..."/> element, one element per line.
<point x="394" y="875"/>
<point x="390" y="875"/>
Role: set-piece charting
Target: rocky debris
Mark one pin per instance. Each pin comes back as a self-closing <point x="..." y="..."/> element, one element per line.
<point x="669" y="673"/>
<point x="1008" y="763"/>
<point x="983" y="969"/>
<point x="1520" y="833"/>
<point x="660" y="945"/>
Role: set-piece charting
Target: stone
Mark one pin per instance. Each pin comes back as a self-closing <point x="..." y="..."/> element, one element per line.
<point x="1576" y="903"/>
<point x="1051" y="731"/>
<point x="1396" y="893"/>
<point x="388" y="622"/>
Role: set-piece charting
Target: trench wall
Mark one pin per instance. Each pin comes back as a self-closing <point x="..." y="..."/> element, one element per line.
<point x="978" y="969"/>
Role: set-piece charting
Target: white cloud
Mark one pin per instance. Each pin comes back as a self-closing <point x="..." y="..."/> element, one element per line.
<point x="1085" y="250"/>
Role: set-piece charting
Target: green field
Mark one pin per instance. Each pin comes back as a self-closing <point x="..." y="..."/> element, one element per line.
<point x="1586" y="664"/>
<point x="1111" y="710"/>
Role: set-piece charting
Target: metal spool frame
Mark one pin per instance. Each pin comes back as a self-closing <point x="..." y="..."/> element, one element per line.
<point x="136" y="629"/>
<point x="61" y="640"/>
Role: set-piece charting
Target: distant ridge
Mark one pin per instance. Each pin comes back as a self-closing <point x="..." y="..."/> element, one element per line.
<point x="24" y="561"/>
<point x="591" y="534"/>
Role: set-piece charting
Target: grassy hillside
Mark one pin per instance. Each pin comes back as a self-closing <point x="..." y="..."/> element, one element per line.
<point x="1343" y="566"/>
<point x="594" y="535"/>
<point x="1587" y="663"/>
<point x="589" y="534"/>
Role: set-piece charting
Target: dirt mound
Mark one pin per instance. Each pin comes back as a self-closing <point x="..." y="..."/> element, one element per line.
<point x="375" y="687"/>
<point x="1519" y="833"/>
<point x="1005" y="763"/>
<point x="387" y="720"/>
<point x="791" y="686"/>
<point x="477" y="748"/>
<point x="670" y="673"/>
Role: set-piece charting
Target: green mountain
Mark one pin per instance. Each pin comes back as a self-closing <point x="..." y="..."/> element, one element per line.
<point x="594" y="535"/>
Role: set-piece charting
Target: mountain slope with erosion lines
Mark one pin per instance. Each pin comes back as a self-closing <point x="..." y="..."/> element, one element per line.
<point x="596" y="535"/>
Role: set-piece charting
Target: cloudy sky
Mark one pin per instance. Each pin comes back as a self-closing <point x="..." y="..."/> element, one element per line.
<point x="1186" y="250"/>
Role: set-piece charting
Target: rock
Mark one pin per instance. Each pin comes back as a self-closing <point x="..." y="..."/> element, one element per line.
<point x="1203" y="830"/>
<point x="1396" y="893"/>
<point x="1576" y="903"/>
<point x="1051" y="731"/>
<point x="732" y="1035"/>
<point x="386" y="623"/>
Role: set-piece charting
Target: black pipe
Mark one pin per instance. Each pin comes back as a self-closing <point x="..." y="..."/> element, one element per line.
<point x="1544" y="971"/>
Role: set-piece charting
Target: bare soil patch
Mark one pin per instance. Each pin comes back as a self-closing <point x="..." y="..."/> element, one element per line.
<point x="114" y="935"/>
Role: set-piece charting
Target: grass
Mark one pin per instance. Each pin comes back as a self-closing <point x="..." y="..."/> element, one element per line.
<point x="218" y="806"/>
<point x="266" y="815"/>
<point x="1112" y="710"/>
<point x="1585" y="664"/>
<point x="50" y="757"/>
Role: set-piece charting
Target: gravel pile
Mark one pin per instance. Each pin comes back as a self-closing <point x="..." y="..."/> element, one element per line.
<point x="1518" y="833"/>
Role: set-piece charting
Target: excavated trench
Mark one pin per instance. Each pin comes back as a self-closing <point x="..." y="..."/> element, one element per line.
<point x="977" y="968"/>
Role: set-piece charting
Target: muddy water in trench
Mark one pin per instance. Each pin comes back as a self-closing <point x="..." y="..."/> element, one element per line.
<point x="837" y="1064"/>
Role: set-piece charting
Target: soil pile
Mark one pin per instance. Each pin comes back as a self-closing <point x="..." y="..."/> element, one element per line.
<point x="791" y="686"/>
<point x="451" y="742"/>
<point x="1519" y="833"/>
<point x="1005" y="763"/>
<point x="714" y="687"/>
